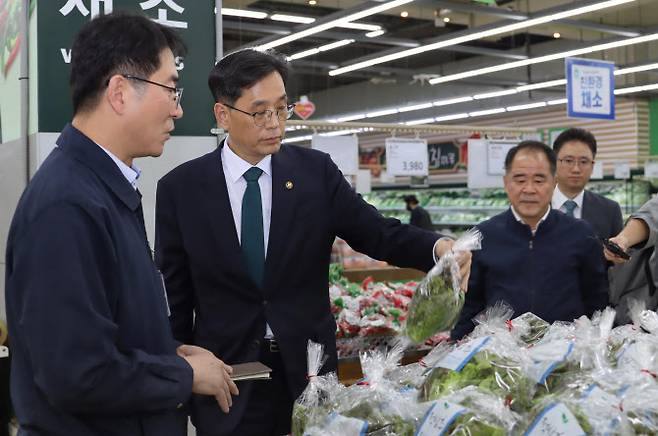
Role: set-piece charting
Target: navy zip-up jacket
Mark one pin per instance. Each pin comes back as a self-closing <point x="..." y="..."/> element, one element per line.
<point x="91" y="347"/>
<point x="557" y="274"/>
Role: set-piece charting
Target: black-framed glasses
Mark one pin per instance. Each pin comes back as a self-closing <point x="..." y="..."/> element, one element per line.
<point x="261" y="118"/>
<point x="571" y="162"/>
<point x="177" y="92"/>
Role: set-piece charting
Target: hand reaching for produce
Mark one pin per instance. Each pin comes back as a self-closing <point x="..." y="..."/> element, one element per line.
<point x="463" y="258"/>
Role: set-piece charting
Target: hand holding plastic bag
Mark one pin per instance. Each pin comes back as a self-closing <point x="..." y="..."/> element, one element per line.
<point x="439" y="299"/>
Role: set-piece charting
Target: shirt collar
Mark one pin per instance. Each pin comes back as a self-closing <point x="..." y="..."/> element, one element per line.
<point x="236" y="166"/>
<point x="519" y="219"/>
<point x="130" y="173"/>
<point x="559" y="198"/>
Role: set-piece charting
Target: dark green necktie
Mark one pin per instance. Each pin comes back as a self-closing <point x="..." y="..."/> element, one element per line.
<point x="251" y="234"/>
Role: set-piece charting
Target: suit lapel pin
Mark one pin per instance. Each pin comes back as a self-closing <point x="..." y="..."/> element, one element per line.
<point x="289" y="185"/>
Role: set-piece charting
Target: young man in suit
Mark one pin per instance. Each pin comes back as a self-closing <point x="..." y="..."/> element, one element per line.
<point x="244" y="235"/>
<point x="576" y="149"/>
<point x="533" y="257"/>
<point x="91" y="346"/>
<point x="419" y="216"/>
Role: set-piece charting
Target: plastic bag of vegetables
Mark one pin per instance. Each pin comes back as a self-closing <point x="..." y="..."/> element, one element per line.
<point x="469" y="412"/>
<point x="379" y="402"/>
<point x="314" y="404"/>
<point x="494" y="363"/>
<point x="438" y="300"/>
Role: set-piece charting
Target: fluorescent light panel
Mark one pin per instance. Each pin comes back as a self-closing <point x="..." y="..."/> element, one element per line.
<point x="316" y="50"/>
<point x="292" y="18"/>
<point x="333" y="23"/>
<point x="375" y="34"/>
<point x="243" y="13"/>
<point x="451" y="117"/>
<point x="479" y="35"/>
<point x="495" y="94"/>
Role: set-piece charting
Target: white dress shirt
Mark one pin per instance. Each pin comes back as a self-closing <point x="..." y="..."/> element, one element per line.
<point x="559" y="198"/>
<point x="519" y="219"/>
<point x="130" y="173"/>
<point x="234" y="168"/>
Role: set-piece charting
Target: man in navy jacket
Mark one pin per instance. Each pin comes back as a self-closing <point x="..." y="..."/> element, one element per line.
<point x="243" y="238"/>
<point x="533" y="257"/>
<point x="92" y="351"/>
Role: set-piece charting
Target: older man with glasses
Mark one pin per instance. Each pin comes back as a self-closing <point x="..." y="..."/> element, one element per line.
<point x="576" y="149"/>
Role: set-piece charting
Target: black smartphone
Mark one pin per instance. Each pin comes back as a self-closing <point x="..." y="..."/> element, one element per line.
<point x="615" y="249"/>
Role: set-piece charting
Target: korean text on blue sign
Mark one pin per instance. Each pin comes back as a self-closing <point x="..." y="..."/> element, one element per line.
<point x="590" y="88"/>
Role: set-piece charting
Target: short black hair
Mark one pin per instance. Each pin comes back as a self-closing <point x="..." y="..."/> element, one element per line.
<point x="575" y="134"/>
<point x="536" y="146"/>
<point x="410" y="199"/>
<point x="116" y="43"/>
<point x="242" y="69"/>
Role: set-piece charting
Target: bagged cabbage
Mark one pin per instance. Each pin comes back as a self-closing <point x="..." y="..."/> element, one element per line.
<point x="413" y="375"/>
<point x="378" y="401"/>
<point x="528" y="327"/>
<point x="314" y="404"/>
<point x="438" y="300"/>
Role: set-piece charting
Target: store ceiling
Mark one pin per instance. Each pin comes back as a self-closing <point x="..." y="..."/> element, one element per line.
<point x="429" y="21"/>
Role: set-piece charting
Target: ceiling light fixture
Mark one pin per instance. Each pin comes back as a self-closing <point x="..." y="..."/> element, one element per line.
<point x="542" y="59"/>
<point x="557" y="35"/>
<point x="404" y="14"/>
<point x="333" y="23"/>
<point x="243" y="13"/>
<point x="375" y="34"/>
<point x="481" y="34"/>
<point x="292" y="18"/>
<point x="312" y="2"/>
<point x="310" y="52"/>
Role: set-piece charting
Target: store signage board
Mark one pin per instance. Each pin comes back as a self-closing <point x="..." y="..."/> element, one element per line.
<point x="59" y="21"/>
<point x="443" y="156"/>
<point x="622" y="170"/>
<point x="590" y="89"/>
<point x="496" y="152"/>
<point x="363" y="181"/>
<point x="597" y="170"/>
<point x="407" y="157"/>
<point x="478" y="177"/>
<point x="344" y="151"/>
<point x="651" y="169"/>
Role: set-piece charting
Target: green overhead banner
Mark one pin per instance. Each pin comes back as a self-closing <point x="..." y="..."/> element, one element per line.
<point x="59" y="21"/>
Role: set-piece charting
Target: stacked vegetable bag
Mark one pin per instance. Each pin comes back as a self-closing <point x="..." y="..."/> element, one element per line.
<point x="509" y="377"/>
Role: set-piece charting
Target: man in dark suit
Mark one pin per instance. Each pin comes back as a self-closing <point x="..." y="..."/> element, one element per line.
<point x="576" y="149"/>
<point x="243" y="238"/>
<point x="91" y="347"/>
<point x="419" y="216"/>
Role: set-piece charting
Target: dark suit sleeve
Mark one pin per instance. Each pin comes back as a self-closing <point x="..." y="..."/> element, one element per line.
<point x="617" y="219"/>
<point x="475" y="300"/>
<point x="593" y="279"/>
<point x="64" y="266"/>
<point x="171" y="259"/>
<point x="367" y="231"/>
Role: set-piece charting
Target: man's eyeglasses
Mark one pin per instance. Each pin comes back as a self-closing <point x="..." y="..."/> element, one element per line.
<point x="176" y="92"/>
<point x="263" y="117"/>
<point x="571" y="162"/>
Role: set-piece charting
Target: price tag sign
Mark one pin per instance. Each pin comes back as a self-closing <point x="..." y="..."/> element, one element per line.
<point x="651" y="169"/>
<point x="597" y="171"/>
<point x="439" y="417"/>
<point x="407" y="157"/>
<point x="460" y="356"/>
<point x="344" y="151"/>
<point x="622" y="170"/>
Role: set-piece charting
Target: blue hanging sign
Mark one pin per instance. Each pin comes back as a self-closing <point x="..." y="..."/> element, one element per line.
<point x="590" y="88"/>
